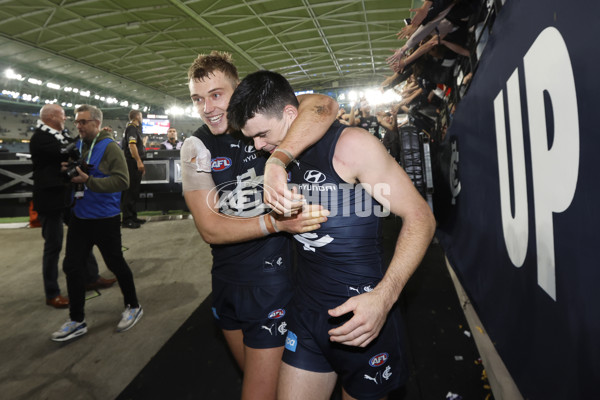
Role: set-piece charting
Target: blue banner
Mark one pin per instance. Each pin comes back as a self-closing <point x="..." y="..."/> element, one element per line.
<point x="520" y="222"/>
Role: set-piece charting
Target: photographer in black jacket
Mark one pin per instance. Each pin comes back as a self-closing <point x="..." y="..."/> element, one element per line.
<point x="51" y="199"/>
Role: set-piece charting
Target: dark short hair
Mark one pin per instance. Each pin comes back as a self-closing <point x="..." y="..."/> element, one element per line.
<point x="262" y="92"/>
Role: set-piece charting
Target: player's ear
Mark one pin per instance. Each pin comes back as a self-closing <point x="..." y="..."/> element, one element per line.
<point x="289" y="111"/>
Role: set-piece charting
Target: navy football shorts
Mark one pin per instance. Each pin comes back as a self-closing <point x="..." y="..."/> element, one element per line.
<point x="259" y="311"/>
<point x="365" y="373"/>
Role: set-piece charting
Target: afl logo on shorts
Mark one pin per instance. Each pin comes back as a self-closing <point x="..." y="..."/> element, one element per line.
<point x="220" y="163"/>
<point x="276" y="314"/>
<point x="378" y="360"/>
<point x="312" y="176"/>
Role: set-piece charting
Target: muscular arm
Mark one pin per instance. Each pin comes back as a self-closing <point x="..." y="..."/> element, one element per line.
<point x="216" y="228"/>
<point x="316" y="113"/>
<point x="388" y="184"/>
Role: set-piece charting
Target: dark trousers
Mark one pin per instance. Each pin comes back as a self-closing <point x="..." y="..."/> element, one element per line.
<point x="52" y="232"/>
<point x="82" y="235"/>
<point x="129" y="197"/>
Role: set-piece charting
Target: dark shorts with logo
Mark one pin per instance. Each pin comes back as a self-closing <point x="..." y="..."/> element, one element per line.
<point x="259" y="311"/>
<point x="365" y="373"/>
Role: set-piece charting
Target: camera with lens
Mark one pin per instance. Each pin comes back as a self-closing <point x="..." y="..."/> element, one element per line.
<point x="75" y="160"/>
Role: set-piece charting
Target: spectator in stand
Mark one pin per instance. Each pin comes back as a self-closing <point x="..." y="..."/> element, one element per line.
<point x="366" y="120"/>
<point x="342" y="117"/>
<point x="426" y="19"/>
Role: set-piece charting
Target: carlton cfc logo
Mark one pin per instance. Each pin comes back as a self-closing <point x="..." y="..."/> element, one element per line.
<point x="220" y="163"/>
<point x="378" y="360"/>
<point x="313" y="176"/>
<point x="276" y="314"/>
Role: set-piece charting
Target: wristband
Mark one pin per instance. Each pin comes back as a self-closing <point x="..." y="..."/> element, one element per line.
<point x="276" y="161"/>
<point x="286" y="153"/>
<point x="269" y="224"/>
<point x="282" y="155"/>
<point x="263" y="225"/>
<point x="274" y="223"/>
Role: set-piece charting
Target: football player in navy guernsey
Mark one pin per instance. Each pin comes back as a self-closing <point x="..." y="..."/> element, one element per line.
<point x="222" y="179"/>
<point x="340" y="324"/>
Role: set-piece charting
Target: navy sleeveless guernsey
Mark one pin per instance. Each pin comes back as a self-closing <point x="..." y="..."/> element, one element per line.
<point x="343" y="258"/>
<point x="238" y="171"/>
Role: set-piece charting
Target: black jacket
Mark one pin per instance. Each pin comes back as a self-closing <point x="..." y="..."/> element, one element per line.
<point x="50" y="186"/>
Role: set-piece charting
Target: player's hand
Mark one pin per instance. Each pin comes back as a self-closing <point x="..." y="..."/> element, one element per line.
<point x="276" y="193"/>
<point x="311" y="218"/>
<point x="370" y="312"/>
<point x="141" y="167"/>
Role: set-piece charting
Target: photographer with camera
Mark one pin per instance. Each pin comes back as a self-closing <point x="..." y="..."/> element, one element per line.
<point x="95" y="220"/>
<point x="49" y="146"/>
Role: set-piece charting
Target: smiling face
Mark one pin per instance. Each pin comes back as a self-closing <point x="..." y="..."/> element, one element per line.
<point x="211" y="97"/>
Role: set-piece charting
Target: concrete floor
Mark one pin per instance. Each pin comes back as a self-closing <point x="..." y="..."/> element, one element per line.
<point x="171" y="268"/>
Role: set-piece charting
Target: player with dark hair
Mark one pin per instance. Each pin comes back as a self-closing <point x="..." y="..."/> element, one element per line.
<point x="340" y="318"/>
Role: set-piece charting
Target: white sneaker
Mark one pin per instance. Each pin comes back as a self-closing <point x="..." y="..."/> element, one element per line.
<point x="129" y="318"/>
<point x="69" y="330"/>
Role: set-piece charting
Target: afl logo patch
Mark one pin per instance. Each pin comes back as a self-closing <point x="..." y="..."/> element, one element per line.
<point x="220" y="163"/>
<point x="276" y="314"/>
<point x="378" y="360"/>
<point x="312" y="176"/>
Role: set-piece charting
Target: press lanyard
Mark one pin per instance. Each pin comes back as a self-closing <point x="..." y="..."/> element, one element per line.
<point x="91" y="148"/>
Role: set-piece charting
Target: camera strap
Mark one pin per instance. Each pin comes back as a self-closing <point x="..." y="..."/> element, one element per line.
<point x="63" y="139"/>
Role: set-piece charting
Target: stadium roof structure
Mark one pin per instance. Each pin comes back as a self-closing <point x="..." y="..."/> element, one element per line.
<point x="140" y="50"/>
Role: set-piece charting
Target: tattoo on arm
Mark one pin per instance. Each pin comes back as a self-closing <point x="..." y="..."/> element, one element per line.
<point x="321" y="110"/>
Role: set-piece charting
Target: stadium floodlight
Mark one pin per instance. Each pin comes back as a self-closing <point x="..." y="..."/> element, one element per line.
<point x="11" y="74"/>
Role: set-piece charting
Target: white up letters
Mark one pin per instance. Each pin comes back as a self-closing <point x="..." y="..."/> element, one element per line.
<point x="554" y="166"/>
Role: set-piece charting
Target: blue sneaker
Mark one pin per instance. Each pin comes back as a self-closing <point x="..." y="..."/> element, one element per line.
<point x="129" y="318"/>
<point x="69" y="330"/>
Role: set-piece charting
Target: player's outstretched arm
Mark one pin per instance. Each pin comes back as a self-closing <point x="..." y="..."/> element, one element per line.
<point x="202" y="199"/>
<point x="316" y="113"/>
<point x="387" y="182"/>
